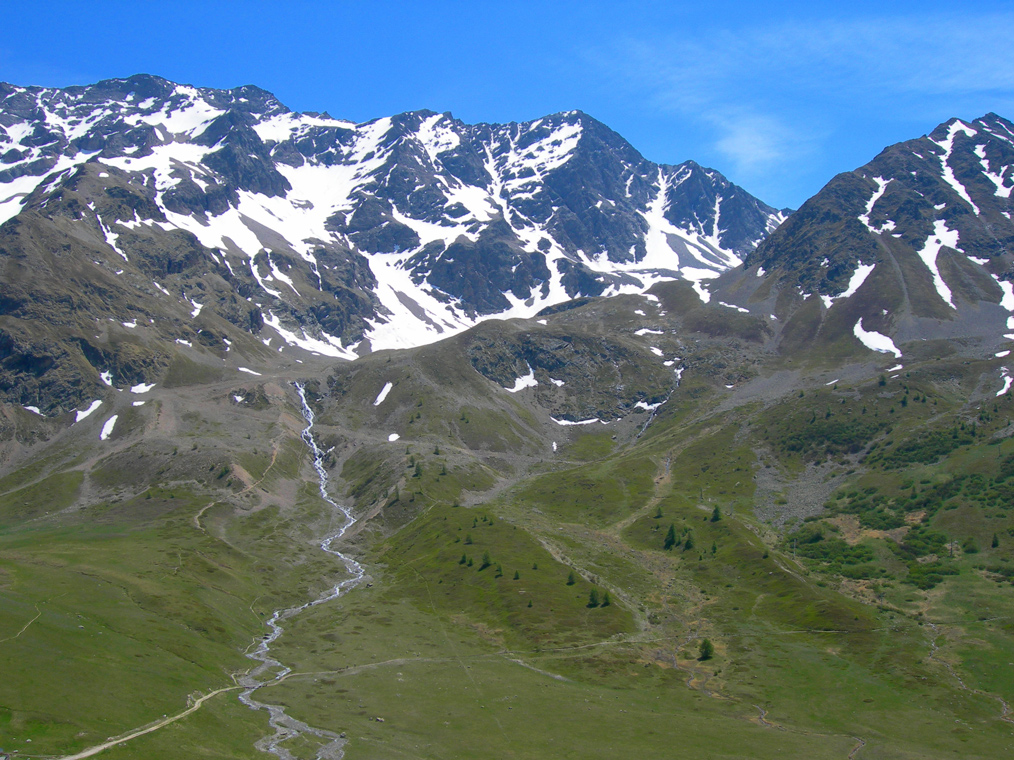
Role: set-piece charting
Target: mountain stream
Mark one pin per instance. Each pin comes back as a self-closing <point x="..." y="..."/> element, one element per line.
<point x="270" y="670"/>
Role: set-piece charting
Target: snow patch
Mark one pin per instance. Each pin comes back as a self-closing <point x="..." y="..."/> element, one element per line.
<point x="877" y="195"/>
<point x="528" y="381"/>
<point x="942" y="236"/>
<point x="393" y="437"/>
<point x="107" y="429"/>
<point x="1007" y="379"/>
<point x="731" y="306"/>
<point x="875" y="341"/>
<point x="383" y="394"/>
<point x="947" y="172"/>
<point x="565" y="423"/>
<point x="248" y="371"/>
<point x="142" y="388"/>
<point x="85" y="412"/>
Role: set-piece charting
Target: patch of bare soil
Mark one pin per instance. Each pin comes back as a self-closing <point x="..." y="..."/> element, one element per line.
<point x="852" y="532"/>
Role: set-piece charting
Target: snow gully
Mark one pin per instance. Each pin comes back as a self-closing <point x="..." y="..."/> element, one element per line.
<point x="270" y="670"/>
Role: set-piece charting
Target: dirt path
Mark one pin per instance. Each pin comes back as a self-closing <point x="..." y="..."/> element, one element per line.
<point x="18" y="634"/>
<point x="274" y="455"/>
<point x="123" y="738"/>
<point x="1005" y="708"/>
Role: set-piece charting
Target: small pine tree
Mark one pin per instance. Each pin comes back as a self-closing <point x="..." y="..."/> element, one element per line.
<point x="443" y="469"/>
<point x="571" y="578"/>
<point x="469" y="563"/>
<point x="468" y="538"/>
<point x="517" y="575"/>
<point x="996" y="541"/>
<point x="658" y="513"/>
<point x="670" y="538"/>
<point x="436" y="450"/>
<point x="714" y="548"/>
<point x="605" y="599"/>
<point x="716" y="515"/>
<point x="689" y="544"/>
<point x="707" y="650"/>
<point x="418" y="470"/>
<point x="486" y="561"/>
<point x="593" y="598"/>
<point x="535" y="566"/>
<point x="463" y="560"/>
<point x="529" y="602"/>
<point x="499" y="572"/>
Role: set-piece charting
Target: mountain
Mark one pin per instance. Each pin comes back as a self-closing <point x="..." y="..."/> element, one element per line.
<point x="765" y="514"/>
<point x="160" y="215"/>
<point x="915" y="246"/>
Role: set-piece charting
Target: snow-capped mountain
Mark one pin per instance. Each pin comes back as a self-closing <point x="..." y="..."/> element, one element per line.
<point x="916" y="245"/>
<point x="339" y="237"/>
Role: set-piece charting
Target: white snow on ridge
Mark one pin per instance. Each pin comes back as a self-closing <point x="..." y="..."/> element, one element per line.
<point x="330" y="346"/>
<point x="942" y="236"/>
<point x="248" y="371"/>
<point x="877" y="195"/>
<point x="383" y="394"/>
<point x="648" y="331"/>
<point x="107" y="429"/>
<point x="437" y="137"/>
<point x="875" y="341"/>
<point x="34" y="410"/>
<point x="948" y="173"/>
<point x="997" y="179"/>
<point x="142" y="388"/>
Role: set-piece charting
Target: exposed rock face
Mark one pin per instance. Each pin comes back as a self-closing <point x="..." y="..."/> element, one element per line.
<point x="918" y="244"/>
<point x="187" y="215"/>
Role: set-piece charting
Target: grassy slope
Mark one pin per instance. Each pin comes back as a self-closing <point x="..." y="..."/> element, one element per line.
<point x="818" y="642"/>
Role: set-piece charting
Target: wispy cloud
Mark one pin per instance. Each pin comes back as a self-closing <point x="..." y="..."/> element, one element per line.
<point x="772" y="91"/>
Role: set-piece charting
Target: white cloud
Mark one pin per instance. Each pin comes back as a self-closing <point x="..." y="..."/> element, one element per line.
<point x="774" y="91"/>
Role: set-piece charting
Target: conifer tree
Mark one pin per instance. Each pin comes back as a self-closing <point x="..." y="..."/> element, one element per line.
<point x="670" y="538"/>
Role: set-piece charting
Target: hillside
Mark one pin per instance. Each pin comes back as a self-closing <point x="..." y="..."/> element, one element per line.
<point x="710" y="519"/>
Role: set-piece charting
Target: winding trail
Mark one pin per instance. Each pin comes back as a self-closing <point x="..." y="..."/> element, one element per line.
<point x="123" y="738"/>
<point x="18" y="634"/>
<point x="1005" y="708"/>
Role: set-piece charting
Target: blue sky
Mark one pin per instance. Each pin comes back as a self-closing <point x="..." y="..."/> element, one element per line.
<point x="778" y="96"/>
